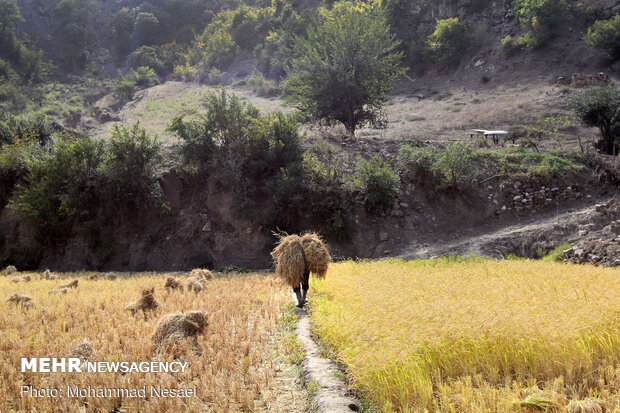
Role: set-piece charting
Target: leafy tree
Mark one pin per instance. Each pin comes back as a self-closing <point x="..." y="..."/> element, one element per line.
<point x="219" y="47"/>
<point x="9" y="45"/>
<point x="9" y="15"/>
<point x="331" y="196"/>
<point x="140" y="78"/>
<point x="404" y="18"/>
<point x="15" y="157"/>
<point x="345" y="67"/>
<point x="379" y="182"/>
<point x="211" y="133"/>
<point x="454" y="165"/>
<point x="146" y="29"/>
<point x="73" y="25"/>
<point x="541" y="19"/>
<point x="246" y="27"/>
<point x="133" y="167"/>
<point x="600" y="107"/>
<point x="162" y="58"/>
<point x="61" y="188"/>
<point x="180" y="20"/>
<point x="449" y="40"/>
<point x="275" y="54"/>
<point x="604" y="35"/>
<point x="122" y="26"/>
<point x="259" y="156"/>
<point x="145" y="56"/>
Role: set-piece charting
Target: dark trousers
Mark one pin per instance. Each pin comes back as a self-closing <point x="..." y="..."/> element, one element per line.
<point x="305" y="285"/>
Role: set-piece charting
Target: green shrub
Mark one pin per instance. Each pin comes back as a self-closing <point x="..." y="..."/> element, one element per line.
<point x="20" y="127"/>
<point x="260" y="156"/>
<point x="541" y="19"/>
<point x="330" y="196"/>
<point x="555" y="255"/>
<point x="133" y="168"/>
<point x="521" y="161"/>
<point x="379" y="182"/>
<point x="61" y="188"/>
<point x="262" y="86"/>
<point x="184" y="72"/>
<point x="215" y="75"/>
<point x="15" y="158"/>
<point x="145" y="56"/>
<point x="509" y="45"/>
<point x="140" y="78"/>
<point x="418" y="163"/>
<point x="604" y="35"/>
<point x="461" y="164"/>
<point x="143" y="77"/>
<point x="209" y="135"/>
<point x="455" y="164"/>
<point x="125" y="89"/>
<point x="600" y="107"/>
<point x="449" y="41"/>
<point x="525" y="136"/>
<point x="215" y="46"/>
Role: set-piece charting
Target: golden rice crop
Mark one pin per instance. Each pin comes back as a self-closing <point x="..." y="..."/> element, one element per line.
<point x="473" y="335"/>
<point x="238" y="364"/>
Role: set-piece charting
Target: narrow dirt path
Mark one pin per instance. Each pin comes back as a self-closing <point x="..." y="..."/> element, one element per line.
<point x="564" y="226"/>
<point x="332" y="395"/>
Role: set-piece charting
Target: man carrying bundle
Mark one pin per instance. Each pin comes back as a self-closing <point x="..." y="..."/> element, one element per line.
<point x="298" y="256"/>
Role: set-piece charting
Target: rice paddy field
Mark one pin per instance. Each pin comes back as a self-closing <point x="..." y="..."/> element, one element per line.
<point x="243" y="362"/>
<point x="473" y="335"/>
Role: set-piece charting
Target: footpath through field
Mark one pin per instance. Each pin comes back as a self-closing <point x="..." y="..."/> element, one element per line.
<point x="332" y="395"/>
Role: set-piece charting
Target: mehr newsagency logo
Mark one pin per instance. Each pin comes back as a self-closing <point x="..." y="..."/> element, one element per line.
<point x="76" y="365"/>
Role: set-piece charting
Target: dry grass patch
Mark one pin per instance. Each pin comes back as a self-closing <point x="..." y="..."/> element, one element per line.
<point x="473" y="335"/>
<point x="236" y="365"/>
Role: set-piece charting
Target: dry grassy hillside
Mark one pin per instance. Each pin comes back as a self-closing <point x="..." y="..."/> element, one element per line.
<point x="441" y="116"/>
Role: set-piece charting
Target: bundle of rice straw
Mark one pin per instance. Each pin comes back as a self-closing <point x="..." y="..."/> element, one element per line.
<point x="11" y="269"/>
<point x="202" y="274"/>
<point x="47" y="275"/>
<point x="146" y="302"/>
<point x="173" y="329"/>
<point x="21" y="300"/>
<point x="72" y="284"/>
<point x="82" y="350"/>
<point x="24" y="279"/>
<point x="289" y="257"/>
<point x="195" y="284"/>
<point x="173" y="284"/>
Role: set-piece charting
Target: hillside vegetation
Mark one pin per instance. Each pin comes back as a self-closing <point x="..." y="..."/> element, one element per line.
<point x="69" y="40"/>
<point x="473" y="334"/>
<point x="65" y="175"/>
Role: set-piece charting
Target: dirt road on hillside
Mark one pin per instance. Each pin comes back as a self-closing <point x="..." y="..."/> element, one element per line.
<point x="524" y="239"/>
